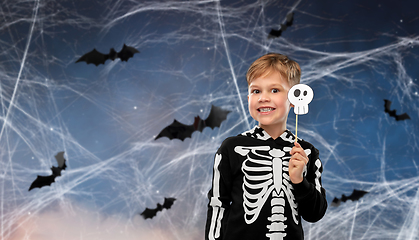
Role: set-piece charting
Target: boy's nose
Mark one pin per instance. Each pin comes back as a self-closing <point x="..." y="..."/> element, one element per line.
<point x="264" y="98"/>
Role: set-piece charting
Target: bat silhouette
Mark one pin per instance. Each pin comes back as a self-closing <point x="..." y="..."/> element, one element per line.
<point x="392" y="113"/>
<point x="42" y="181"/>
<point x="355" y="196"/>
<point x="181" y="131"/>
<point x="97" y="58"/>
<point x="288" y="22"/>
<point x="150" y="213"/>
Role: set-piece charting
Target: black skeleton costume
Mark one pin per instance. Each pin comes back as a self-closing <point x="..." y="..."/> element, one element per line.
<point x="252" y="196"/>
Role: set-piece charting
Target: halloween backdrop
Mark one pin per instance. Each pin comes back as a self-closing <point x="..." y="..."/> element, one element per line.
<point x="192" y="55"/>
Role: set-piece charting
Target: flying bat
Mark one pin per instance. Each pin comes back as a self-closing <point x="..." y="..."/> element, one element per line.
<point x="355" y="196"/>
<point x="277" y="33"/>
<point x="42" y="181"/>
<point x="181" y="131"/>
<point x="97" y="57"/>
<point x="392" y="113"/>
<point x="150" y="213"/>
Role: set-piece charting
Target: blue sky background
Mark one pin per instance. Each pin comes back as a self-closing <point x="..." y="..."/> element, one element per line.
<point x="354" y="54"/>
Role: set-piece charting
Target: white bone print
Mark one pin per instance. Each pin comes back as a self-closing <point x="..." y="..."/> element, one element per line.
<point x="277" y="227"/>
<point x="264" y="176"/>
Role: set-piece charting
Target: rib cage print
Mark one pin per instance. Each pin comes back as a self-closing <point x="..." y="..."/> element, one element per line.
<point x="266" y="173"/>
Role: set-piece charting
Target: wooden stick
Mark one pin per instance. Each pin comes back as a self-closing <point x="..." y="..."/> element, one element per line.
<point x="296" y="125"/>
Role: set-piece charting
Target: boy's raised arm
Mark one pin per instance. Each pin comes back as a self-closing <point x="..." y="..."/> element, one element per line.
<point x="309" y="194"/>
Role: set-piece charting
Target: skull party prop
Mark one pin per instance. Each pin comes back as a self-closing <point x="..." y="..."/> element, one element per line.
<point x="300" y="96"/>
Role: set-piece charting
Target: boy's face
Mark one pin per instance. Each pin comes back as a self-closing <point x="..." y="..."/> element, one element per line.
<point x="268" y="101"/>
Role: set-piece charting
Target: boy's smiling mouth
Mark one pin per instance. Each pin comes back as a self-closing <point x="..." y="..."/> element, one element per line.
<point x="265" y="109"/>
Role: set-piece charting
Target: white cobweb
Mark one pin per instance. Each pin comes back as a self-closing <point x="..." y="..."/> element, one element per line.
<point x="193" y="54"/>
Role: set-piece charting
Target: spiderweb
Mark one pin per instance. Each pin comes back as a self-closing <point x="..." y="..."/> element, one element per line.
<point x="195" y="54"/>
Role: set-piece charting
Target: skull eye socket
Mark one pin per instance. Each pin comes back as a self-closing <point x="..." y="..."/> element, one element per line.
<point x="297" y="92"/>
<point x="305" y="93"/>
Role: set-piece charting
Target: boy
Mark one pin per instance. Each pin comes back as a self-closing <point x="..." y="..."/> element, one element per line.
<point x="263" y="181"/>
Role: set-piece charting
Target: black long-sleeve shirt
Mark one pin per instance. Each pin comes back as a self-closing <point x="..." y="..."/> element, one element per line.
<point x="252" y="196"/>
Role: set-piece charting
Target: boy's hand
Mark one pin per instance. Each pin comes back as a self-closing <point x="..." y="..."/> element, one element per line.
<point x="297" y="163"/>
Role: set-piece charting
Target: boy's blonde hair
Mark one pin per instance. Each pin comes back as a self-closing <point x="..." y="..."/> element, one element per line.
<point x="287" y="68"/>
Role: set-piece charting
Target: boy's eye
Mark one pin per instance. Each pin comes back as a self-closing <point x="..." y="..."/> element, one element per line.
<point x="255" y="91"/>
<point x="275" y="90"/>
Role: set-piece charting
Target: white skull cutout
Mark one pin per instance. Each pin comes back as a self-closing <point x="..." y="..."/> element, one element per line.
<point x="300" y="96"/>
